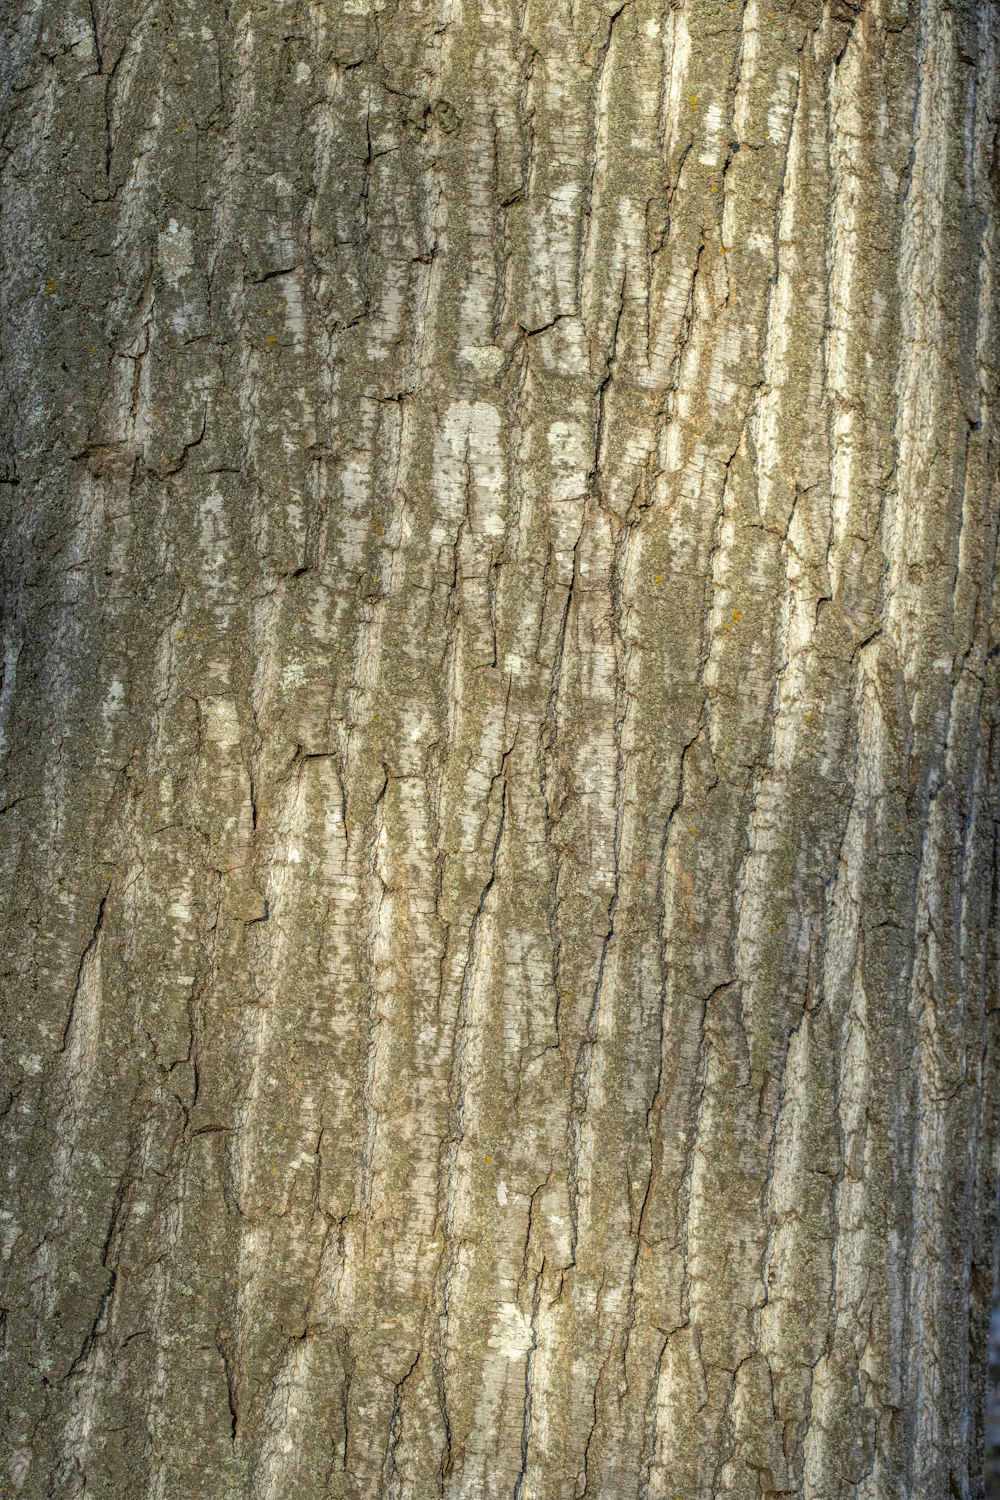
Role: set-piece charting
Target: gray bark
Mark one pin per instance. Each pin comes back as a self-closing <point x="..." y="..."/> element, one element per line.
<point x="500" y="724"/>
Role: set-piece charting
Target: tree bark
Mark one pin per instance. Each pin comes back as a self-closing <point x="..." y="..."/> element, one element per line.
<point x="500" y="716"/>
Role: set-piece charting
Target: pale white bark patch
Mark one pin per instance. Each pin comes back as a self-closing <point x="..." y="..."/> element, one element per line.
<point x="176" y="252"/>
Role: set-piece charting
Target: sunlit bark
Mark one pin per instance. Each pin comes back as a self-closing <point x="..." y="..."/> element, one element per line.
<point x="500" y="728"/>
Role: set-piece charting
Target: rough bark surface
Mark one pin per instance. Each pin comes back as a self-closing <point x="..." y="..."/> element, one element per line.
<point x="501" y="765"/>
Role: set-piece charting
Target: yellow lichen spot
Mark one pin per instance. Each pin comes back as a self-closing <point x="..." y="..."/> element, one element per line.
<point x="374" y="718"/>
<point x="694" y="832"/>
<point x="374" y="578"/>
<point x="809" y="717"/>
<point x="50" y="286"/>
<point x="722" y="249"/>
<point x="92" y="349"/>
<point x="737" y="616"/>
<point x="693" y="100"/>
<point x="488" y="1157"/>
<point x="658" y="578"/>
<point x="271" y="338"/>
<point x="183" y="122"/>
<point x="767" y="135"/>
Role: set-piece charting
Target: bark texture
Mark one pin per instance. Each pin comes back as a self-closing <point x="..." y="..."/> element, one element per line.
<point x="501" y="765"/>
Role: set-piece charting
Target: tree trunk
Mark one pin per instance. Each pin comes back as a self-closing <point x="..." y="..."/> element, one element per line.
<point x="500" y="708"/>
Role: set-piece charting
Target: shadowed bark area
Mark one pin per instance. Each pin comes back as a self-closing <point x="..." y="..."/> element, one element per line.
<point x="500" y="730"/>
